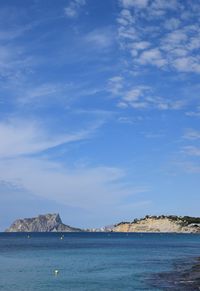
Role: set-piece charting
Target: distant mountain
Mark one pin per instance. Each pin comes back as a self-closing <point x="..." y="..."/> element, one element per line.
<point x="53" y="223"/>
<point x="41" y="223"/>
<point x="172" y="223"/>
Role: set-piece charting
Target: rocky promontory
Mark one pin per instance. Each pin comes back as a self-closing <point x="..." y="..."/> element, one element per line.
<point x="171" y="223"/>
<point x="41" y="223"/>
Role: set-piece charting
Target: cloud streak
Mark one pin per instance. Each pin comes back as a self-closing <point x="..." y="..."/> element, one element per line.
<point x="28" y="137"/>
<point x="134" y="3"/>
<point x="192" y="134"/>
<point x="192" y="151"/>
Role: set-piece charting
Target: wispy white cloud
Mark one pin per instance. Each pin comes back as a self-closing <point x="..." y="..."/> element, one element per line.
<point x="11" y="34"/>
<point x="74" y="7"/>
<point x="100" y="38"/>
<point x="28" y="137"/>
<point x="134" y="3"/>
<point x="125" y="17"/>
<point x="152" y="56"/>
<point x="191" y="151"/>
<point x="140" y="97"/>
<point x="127" y="120"/>
<point x="187" y="64"/>
<point x="192" y="134"/>
<point x="14" y="61"/>
<point x="160" y="4"/>
<point x="139" y="46"/>
<point x="133" y="95"/>
<point x="27" y="94"/>
<point x="115" y="85"/>
<point x="195" y="113"/>
<point x="43" y="90"/>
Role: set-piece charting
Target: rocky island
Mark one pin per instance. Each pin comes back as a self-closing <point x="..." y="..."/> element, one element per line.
<point x="171" y="223"/>
<point x="41" y="223"/>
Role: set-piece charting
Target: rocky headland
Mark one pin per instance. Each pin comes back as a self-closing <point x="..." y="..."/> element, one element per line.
<point x="172" y="223"/>
<point x="41" y="223"/>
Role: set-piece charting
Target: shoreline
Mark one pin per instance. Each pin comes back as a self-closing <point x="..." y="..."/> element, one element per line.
<point x="183" y="277"/>
<point x="109" y="232"/>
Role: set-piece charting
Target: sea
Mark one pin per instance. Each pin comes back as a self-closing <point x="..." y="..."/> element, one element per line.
<point x="93" y="261"/>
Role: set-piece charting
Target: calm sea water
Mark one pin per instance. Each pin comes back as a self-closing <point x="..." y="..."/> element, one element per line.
<point x="90" y="261"/>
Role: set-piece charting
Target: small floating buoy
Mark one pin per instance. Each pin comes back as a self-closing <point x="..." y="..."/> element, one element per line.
<point x="56" y="272"/>
<point x="62" y="236"/>
<point x="28" y="236"/>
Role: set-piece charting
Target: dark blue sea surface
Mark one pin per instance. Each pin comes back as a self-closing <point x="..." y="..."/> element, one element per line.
<point x="91" y="261"/>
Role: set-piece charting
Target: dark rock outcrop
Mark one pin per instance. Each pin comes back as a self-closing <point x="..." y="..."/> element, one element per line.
<point x="41" y="223"/>
<point x="182" y="277"/>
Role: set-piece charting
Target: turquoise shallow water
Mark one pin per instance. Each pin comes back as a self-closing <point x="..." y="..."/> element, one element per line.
<point x="90" y="261"/>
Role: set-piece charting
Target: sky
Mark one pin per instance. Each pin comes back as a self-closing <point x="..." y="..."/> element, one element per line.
<point x="99" y="109"/>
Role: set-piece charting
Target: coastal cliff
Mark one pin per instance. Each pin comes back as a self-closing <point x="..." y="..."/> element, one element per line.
<point x="41" y="223"/>
<point x="177" y="224"/>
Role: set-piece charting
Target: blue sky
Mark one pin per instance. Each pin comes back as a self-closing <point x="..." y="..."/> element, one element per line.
<point x="99" y="109"/>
